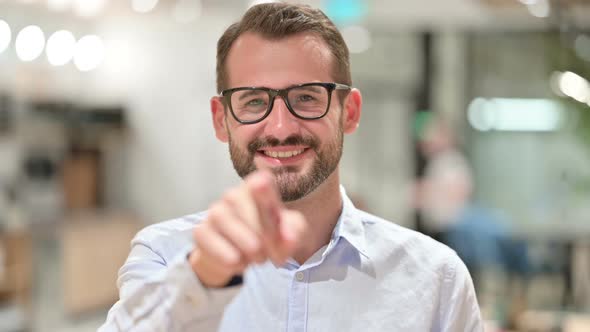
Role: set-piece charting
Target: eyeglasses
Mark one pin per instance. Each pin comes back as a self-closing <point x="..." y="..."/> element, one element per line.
<point x="309" y="101"/>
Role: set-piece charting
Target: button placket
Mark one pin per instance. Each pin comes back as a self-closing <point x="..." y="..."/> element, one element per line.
<point x="298" y="303"/>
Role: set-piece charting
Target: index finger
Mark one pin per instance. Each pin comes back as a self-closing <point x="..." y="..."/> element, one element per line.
<point x="267" y="198"/>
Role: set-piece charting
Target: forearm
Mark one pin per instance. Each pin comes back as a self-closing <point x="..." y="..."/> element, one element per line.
<point x="160" y="297"/>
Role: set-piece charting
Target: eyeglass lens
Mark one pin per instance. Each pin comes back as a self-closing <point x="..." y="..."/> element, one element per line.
<point x="306" y="101"/>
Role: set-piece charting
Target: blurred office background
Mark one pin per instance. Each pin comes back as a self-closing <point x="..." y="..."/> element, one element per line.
<point x="475" y="130"/>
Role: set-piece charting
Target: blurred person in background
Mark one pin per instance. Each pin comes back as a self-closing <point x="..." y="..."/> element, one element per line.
<point x="446" y="186"/>
<point x="444" y="198"/>
<point x="286" y="249"/>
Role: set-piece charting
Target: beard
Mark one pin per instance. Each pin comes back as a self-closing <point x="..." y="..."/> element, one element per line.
<point x="292" y="185"/>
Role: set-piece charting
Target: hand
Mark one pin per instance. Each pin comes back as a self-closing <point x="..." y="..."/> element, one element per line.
<point x="248" y="225"/>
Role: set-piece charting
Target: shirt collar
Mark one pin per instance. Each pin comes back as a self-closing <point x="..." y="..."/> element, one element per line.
<point x="350" y="225"/>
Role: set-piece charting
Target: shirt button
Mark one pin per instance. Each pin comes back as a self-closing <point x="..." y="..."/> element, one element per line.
<point x="299" y="276"/>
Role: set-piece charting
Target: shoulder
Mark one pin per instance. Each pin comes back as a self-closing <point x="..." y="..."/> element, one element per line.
<point x="168" y="236"/>
<point x="418" y="267"/>
<point x="170" y="227"/>
<point x="379" y="230"/>
<point x="398" y="246"/>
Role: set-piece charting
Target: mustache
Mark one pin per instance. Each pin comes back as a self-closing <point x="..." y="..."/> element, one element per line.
<point x="269" y="142"/>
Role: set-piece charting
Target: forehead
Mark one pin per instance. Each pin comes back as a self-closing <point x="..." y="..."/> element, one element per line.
<point x="254" y="60"/>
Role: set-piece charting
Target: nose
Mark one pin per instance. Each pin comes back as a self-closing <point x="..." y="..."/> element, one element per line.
<point x="280" y="123"/>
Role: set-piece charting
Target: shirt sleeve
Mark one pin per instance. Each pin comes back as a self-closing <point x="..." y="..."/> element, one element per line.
<point x="156" y="295"/>
<point x="459" y="310"/>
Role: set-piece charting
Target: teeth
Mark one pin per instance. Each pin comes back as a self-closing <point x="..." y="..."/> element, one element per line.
<point x="282" y="154"/>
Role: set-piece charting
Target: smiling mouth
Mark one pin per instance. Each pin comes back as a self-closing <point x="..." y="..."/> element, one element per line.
<point x="282" y="154"/>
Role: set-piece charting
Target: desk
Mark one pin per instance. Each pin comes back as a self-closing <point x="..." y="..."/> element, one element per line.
<point x="560" y="232"/>
<point x="574" y="238"/>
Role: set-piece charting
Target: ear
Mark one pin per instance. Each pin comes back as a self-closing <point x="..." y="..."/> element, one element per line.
<point x="352" y="111"/>
<point x="218" y="114"/>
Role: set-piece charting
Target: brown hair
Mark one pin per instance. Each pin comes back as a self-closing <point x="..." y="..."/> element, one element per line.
<point x="279" y="20"/>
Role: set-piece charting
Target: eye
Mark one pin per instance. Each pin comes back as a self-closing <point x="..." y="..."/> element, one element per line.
<point x="305" y="98"/>
<point x="255" y="102"/>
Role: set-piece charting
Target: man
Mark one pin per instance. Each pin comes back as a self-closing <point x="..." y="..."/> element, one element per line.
<point x="286" y="250"/>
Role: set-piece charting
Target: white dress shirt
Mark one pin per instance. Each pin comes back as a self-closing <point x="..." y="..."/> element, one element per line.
<point x="373" y="276"/>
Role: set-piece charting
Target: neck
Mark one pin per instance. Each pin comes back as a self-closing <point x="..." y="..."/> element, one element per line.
<point x="321" y="209"/>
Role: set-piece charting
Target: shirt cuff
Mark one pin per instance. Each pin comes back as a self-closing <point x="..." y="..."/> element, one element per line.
<point x="212" y="300"/>
<point x="235" y="281"/>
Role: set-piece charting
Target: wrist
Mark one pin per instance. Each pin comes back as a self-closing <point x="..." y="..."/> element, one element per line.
<point x="210" y="279"/>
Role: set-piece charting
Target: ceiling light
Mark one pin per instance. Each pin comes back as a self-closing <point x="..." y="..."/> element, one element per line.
<point x="60" y="48"/>
<point x="514" y="114"/>
<point x="89" y="53"/>
<point x="574" y="86"/>
<point x="30" y="42"/>
<point x="143" y="6"/>
<point x="59" y="5"/>
<point x="5" y="35"/>
<point x="88" y="8"/>
<point x="539" y="8"/>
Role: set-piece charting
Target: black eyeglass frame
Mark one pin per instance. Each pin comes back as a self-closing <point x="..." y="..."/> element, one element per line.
<point x="273" y="93"/>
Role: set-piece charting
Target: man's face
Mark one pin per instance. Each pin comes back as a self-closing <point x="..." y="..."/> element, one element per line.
<point x="301" y="153"/>
<point x="294" y="178"/>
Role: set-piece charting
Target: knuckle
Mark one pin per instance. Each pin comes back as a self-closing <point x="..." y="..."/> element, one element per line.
<point x="214" y="209"/>
<point x="232" y="195"/>
<point x="254" y="252"/>
<point x="199" y="230"/>
<point x="228" y="265"/>
<point x="216" y="212"/>
<point x="239" y="267"/>
<point x="258" y="251"/>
